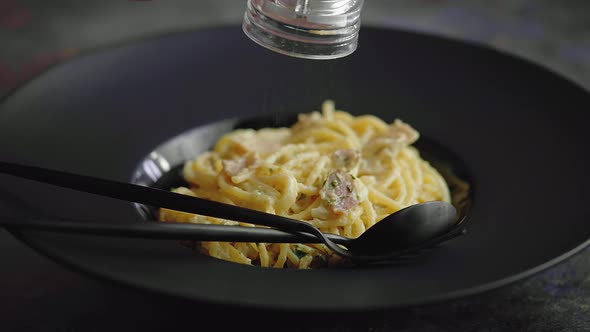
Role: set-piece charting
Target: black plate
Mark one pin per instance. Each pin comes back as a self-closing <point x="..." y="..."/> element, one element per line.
<point x="519" y="129"/>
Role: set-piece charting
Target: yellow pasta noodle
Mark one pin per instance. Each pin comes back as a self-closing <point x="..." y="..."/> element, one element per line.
<point x="339" y="172"/>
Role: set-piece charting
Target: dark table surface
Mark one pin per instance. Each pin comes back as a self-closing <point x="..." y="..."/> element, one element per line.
<point x="40" y="295"/>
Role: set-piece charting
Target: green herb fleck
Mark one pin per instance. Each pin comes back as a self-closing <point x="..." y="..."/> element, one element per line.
<point x="333" y="200"/>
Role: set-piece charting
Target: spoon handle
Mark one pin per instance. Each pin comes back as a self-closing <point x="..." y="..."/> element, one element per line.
<point x="154" y="197"/>
<point x="166" y="231"/>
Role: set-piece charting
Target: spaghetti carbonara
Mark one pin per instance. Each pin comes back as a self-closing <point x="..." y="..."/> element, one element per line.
<point x="338" y="172"/>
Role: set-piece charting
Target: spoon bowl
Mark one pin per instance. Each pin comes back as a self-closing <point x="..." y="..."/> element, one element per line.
<point x="406" y="228"/>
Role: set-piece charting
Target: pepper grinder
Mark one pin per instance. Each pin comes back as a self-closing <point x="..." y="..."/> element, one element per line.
<point x="311" y="29"/>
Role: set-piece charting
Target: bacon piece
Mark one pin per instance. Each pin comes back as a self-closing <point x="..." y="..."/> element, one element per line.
<point x="398" y="136"/>
<point x="263" y="141"/>
<point x="403" y="132"/>
<point x="339" y="192"/>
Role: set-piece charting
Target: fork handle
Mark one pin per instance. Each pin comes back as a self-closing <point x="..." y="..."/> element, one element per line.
<point x="154" y="197"/>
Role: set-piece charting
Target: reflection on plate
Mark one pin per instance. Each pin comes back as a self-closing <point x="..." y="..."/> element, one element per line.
<point x="519" y="129"/>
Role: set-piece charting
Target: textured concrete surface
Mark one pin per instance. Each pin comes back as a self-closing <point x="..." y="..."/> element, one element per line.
<point x="36" y="34"/>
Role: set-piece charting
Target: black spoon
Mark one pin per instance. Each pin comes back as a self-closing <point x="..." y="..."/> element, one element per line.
<point x="410" y="227"/>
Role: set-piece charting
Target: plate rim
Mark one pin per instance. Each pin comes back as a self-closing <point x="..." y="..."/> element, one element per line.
<point x="427" y="300"/>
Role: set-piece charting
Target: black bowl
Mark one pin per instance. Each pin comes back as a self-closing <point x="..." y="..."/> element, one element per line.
<point x="518" y="129"/>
